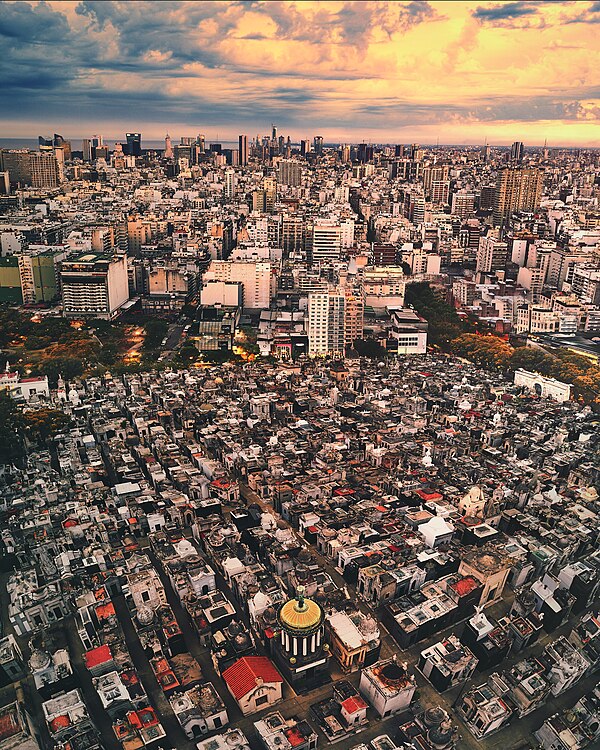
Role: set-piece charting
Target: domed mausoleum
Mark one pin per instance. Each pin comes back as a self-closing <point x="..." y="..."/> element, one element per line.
<point x="300" y="650"/>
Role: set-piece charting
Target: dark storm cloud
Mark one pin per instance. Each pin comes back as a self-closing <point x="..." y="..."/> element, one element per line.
<point x="505" y="11"/>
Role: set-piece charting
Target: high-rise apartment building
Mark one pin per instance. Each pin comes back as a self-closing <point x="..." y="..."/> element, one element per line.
<point x="326" y="240"/>
<point x="326" y="323"/>
<point x="354" y="314"/>
<point x="289" y="172"/>
<point x="440" y="192"/>
<point x="517" y="189"/>
<point x="94" y="285"/>
<point x="434" y="173"/>
<point x="243" y="150"/>
<point x="270" y="189"/>
<point x="229" y="189"/>
<point x="492" y="255"/>
<point x="292" y="233"/>
<point x="134" y="144"/>
<point x="463" y="204"/>
<point x="138" y="233"/>
<point x="38" y="169"/>
<point x="38" y="268"/>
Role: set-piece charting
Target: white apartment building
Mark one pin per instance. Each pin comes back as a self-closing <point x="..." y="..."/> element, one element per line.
<point x="586" y="283"/>
<point x="346" y="233"/>
<point x="230" y="182"/>
<point x="326" y="240"/>
<point x="491" y="255"/>
<point x="535" y="319"/>
<point x="326" y="323"/>
<point x="257" y="278"/>
<point x="94" y="285"/>
<point x="463" y="204"/>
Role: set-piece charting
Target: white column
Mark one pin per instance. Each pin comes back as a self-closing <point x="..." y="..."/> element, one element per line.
<point x="295" y="642"/>
<point x="304" y="646"/>
<point x="313" y="643"/>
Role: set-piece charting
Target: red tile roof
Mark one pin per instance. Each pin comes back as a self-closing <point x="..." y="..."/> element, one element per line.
<point x="241" y="677"/>
<point x="353" y="704"/>
<point x="97" y="656"/>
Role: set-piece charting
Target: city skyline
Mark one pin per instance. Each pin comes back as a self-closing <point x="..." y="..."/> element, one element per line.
<point x="458" y="73"/>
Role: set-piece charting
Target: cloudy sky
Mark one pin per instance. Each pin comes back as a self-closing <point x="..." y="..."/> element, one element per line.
<point x="459" y="72"/>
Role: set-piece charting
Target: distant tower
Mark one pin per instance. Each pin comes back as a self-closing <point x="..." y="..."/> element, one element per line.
<point x="134" y="144"/>
<point x="486" y="152"/>
<point x="516" y="152"/>
<point x="168" y="148"/>
<point x="243" y="150"/>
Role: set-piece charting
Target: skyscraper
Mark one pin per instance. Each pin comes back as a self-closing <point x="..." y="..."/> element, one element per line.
<point x="201" y="142"/>
<point x="86" y="147"/>
<point x="134" y="144"/>
<point x="318" y="144"/>
<point x="517" y="189"/>
<point x="243" y="150"/>
<point x="516" y="152"/>
<point x="304" y="147"/>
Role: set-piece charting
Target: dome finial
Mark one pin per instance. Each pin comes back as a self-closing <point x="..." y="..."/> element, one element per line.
<point x="300" y="596"/>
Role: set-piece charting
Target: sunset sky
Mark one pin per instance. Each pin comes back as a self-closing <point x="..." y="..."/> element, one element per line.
<point x="459" y="72"/>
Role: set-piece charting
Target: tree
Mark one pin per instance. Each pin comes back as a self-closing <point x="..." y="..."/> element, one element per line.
<point x="42" y="424"/>
<point x="369" y="348"/>
<point x="11" y="431"/>
<point x="68" y="367"/>
<point x="188" y="353"/>
<point x="487" y="351"/>
<point x="444" y="322"/>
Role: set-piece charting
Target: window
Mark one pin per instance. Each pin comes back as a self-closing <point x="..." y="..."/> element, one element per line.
<point x="145" y="596"/>
<point x="261" y="700"/>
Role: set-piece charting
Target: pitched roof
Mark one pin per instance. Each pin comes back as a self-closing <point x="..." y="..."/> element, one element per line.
<point x="241" y="677"/>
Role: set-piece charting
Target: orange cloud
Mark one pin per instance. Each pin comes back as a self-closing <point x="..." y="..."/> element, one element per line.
<point x="460" y="71"/>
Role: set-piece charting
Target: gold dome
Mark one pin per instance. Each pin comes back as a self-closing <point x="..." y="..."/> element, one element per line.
<point x="300" y="614"/>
